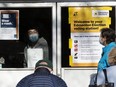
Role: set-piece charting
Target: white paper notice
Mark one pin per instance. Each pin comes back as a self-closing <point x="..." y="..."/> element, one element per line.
<point x="86" y="47"/>
<point x="33" y="56"/>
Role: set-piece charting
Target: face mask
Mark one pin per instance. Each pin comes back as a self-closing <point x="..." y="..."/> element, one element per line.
<point x="101" y="42"/>
<point x="33" y="37"/>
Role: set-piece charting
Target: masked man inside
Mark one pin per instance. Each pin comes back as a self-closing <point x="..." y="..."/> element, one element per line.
<point x="35" y="41"/>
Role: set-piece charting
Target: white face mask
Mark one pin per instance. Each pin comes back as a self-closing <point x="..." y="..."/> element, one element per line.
<point x="33" y="37"/>
<point x="100" y="41"/>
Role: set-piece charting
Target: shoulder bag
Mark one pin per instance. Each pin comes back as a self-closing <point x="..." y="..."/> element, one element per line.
<point x="107" y="83"/>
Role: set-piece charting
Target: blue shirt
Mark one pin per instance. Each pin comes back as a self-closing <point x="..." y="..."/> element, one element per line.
<point x="103" y="63"/>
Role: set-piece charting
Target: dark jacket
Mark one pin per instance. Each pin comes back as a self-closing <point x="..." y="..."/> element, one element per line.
<point x="41" y="43"/>
<point x="41" y="78"/>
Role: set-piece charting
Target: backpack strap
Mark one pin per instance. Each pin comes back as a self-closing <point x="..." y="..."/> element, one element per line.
<point x="105" y="74"/>
<point x="95" y="81"/>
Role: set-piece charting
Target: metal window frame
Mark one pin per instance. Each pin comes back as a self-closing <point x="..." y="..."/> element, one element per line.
<point x="66" y="4"/>
<point x="53" y="7"/>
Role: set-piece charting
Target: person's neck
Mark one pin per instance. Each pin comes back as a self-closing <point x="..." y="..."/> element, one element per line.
<point x="105" y="44"/>
<point x="32" y="44"/>
<point x="43" y="71"/>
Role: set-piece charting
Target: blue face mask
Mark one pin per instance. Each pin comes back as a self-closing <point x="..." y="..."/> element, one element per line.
<point x="33" y="37"/>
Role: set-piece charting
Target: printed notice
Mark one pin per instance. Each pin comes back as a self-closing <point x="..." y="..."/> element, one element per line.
<point x="9" y="24"/>
<point x="85" y="24"/>
<point x="34" y="55"/>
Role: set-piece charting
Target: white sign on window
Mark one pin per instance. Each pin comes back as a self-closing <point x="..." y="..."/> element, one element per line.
<point x="33" y="56"/>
